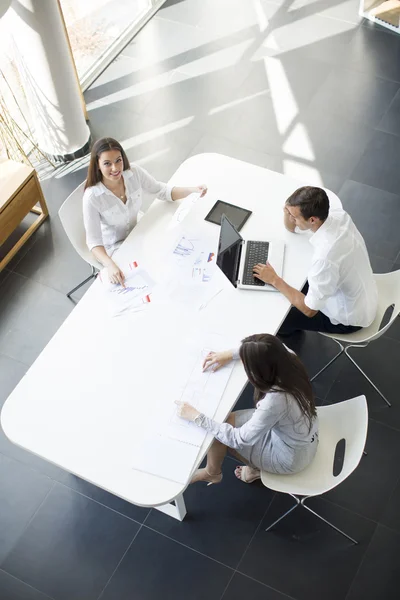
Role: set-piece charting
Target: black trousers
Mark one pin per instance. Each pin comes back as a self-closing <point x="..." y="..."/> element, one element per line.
<point x="298" y="321"/>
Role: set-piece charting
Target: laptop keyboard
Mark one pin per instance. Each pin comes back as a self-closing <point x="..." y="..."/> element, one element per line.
<point x="257" y="252"/>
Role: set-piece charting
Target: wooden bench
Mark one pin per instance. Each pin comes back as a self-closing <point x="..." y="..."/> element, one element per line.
<point x="20" y="193"/>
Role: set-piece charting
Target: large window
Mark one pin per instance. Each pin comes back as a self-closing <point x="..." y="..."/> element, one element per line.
<point x="98" y="28"/>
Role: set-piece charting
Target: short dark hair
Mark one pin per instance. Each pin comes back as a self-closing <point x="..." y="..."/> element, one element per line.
<point x="312" y="201"/>
<point x="103" y="145"/>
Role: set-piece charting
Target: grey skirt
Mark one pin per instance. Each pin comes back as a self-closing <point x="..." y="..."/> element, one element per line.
<point x="273" y="458"/>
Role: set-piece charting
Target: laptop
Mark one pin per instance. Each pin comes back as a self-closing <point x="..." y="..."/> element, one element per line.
<point x="237" y="257"/>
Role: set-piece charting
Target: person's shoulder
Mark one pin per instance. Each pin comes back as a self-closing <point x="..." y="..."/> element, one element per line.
<point x="92" y="192"/>
<point x="273" y="398"/>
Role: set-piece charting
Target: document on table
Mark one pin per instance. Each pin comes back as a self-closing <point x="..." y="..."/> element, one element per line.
<point x="183" y="209"/>
<point x="164" y="457"/>
<point x="170" y="448"/>
<point x="136" y="294"/>
<point x="203" y="390"/>
<point x="190" y="267"/>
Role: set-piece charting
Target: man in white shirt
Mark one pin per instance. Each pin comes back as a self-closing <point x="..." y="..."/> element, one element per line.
<point x="341" y="295"/>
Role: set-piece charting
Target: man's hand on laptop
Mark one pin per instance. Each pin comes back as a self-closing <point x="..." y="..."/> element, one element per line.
<point x="266" y="273"/>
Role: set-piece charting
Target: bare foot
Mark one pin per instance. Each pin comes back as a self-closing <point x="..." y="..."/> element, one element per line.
<point x="204" y="475"/>
<point x="247" y="474"/>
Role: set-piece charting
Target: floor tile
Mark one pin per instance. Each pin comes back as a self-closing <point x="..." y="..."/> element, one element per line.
<point x="244" y="19"/>
<point x="318" y="139"/>
<point x="42" y="263"/>
<point x="157" y="567"/>
<point x="391" y="515"/>
<point x="30" y="317"/>
<point x="70" y="534"/>
<point x="304" y="557"/>
<point x="356" y="493"/>
<point x="390" y="122"/>
<point x="189" y="12"/>
<point x="14" y="589"/>
<point x="378" y="164"/>
<point x="394" y="329"/>
<point x="137" y="513"/>
<point x="351" y="383"/>
<point x="220" y="145"/>
<point x="221" y="518"/>
<point x="378" y="575"/>
<point x="243" y="587"/>
<point x="16" y="235"/>
<point x="380" y="264"/>
<point x="22" y="491"/>
<point x="342" y="11"/>
<point x="375" y="214"/>
<point x="30" y="460"/>
<point x="125" y="79"/>
<point x="309" y="35"/>
<point x="362" y="95"/>
<point x="374" y="49"/>
<point x="11" y="372"/>
<point x="162" y="40"/>
<point x="315" y="351"/>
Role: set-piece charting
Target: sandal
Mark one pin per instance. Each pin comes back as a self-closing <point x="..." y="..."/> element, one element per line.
<point x="211" y="479"/>
<point x="245" y="474"/>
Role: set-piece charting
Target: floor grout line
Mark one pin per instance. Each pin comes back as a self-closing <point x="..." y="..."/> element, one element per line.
<point x="31" y="519"/>
<point x="256" y="531"/>
<point x="27" y="584"/>
<point x="120" y="561"/>
<point x="101" y="503"/>
<point x="189" y="547"/>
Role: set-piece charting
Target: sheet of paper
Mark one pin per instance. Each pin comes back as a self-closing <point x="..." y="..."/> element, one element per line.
<point x="190" y="267"/>
<point x="168" y="446"/>
<point x="185" y="206"/>
<point x="203" y="390"/>
<point x="164" y="457"/>
<point x="136" y="294"/>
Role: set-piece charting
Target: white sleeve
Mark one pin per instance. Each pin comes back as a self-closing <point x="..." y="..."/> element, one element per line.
<point x="91" y="219"/>
<point x="163" y="191"/>
<point x="323" y="280"/>
<point x="263" y="419"/>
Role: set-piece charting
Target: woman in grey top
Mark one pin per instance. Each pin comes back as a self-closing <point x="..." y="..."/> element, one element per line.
<point x="281" y="434"/>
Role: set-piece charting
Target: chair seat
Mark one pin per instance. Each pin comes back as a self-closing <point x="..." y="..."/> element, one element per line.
<point x="348" y="420"/>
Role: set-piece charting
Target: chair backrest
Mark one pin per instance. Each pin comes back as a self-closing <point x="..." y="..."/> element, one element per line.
<point x="71" y="217"/>
<point x="388" y="285"/>
<point x="346" y="420"/>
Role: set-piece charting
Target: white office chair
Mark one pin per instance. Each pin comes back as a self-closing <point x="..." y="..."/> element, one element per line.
<point x="71" y="217"/>
<point x="388" y="286"/>
<point x="346" y="420"/>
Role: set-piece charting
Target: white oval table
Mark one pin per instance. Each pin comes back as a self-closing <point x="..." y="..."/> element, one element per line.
<point x="83" y="399"/>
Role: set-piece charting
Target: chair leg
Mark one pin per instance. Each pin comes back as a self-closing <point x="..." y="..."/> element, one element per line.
<point x="286" y="513"/>
<point x="301" y="503"/>
<point x="327" y="522"/>
<point x="362" y="372"/>
<point x="331" y="361"/>
<point x="93" y="274"/>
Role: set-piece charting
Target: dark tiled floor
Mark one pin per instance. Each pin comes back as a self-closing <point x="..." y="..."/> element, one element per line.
<point x="304" y="88"/>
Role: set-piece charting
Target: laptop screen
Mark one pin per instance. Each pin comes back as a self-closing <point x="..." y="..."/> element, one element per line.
<point x="229" y="249"/>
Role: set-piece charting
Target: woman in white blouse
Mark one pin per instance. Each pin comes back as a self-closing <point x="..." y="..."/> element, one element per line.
<point x="279" y="435"/>
<point x="112" y="200"/>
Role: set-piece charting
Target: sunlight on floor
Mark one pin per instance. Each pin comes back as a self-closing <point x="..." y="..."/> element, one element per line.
<point x="141" y="138"/>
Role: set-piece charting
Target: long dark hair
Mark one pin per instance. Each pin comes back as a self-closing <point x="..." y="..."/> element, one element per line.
<point x="271" y="367"/>
<point x="103" y="145"/>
